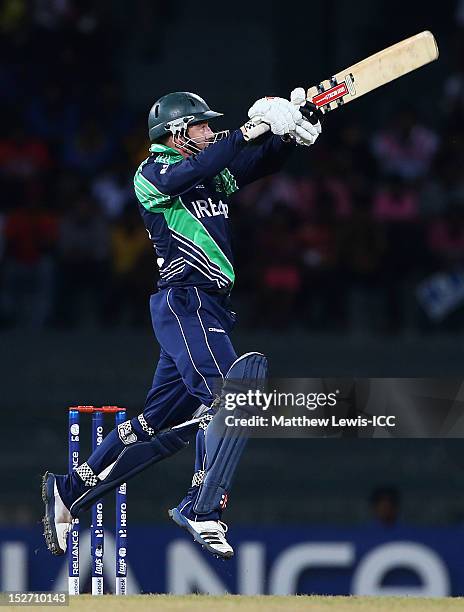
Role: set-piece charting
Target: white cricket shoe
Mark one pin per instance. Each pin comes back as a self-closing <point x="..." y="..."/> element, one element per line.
<point x="210" y="534"/>
<point x="57" y="520"/>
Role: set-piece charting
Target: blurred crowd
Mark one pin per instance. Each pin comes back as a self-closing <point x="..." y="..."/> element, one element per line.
<point x="341" y="244"/>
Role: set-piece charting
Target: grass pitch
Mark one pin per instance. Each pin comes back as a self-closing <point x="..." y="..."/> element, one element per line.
<point x="241" y="603"/>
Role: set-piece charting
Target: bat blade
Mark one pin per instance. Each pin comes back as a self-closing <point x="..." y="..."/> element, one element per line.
<point x="374" y="71"/>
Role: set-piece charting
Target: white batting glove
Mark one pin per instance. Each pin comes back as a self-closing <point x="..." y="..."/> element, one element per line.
<point x="278" y="114"/>
<point x="305" y="132"/>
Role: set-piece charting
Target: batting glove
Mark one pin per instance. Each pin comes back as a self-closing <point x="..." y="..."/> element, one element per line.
<point x="278" y="114"/>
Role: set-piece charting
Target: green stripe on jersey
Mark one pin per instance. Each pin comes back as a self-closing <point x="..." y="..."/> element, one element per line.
<point x="181" y="220"/>
<point x="148" y="195"/>
<point x="167" y="152"/>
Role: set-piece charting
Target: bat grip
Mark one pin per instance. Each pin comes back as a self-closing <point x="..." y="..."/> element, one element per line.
<point x="310" y="112"/>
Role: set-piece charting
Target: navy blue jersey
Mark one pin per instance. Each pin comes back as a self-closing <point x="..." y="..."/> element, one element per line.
<point x="184" y="203"/>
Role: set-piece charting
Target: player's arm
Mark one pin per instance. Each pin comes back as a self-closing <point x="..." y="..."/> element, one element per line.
<point x="263" y="159"/>
<point x="176" y="179"/>
<point x="258" y="160"/>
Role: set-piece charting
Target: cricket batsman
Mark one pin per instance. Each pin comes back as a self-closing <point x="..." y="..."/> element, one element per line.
<point x="183" y="190"/>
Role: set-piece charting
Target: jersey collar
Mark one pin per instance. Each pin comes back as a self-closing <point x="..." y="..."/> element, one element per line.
<point x="165" y="150"/>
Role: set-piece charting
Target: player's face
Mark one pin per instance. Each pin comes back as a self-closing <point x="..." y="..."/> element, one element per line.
<point x="201" y="133"/>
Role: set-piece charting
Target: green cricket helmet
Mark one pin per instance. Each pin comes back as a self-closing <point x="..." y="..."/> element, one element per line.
<point x="174" y="112"/>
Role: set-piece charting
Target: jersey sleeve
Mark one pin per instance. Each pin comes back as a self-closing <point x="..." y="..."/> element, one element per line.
<point x="157" y="183"/>
<point x="257" y="160"/>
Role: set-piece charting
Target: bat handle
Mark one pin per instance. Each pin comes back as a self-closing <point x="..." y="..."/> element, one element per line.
<point x="261" y="129"/>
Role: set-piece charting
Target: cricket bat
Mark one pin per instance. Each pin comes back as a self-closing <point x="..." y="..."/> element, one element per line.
<point x="374" y="71"/>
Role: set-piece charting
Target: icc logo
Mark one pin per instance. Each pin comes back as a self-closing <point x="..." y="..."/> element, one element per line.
<point x="75" y="429"/>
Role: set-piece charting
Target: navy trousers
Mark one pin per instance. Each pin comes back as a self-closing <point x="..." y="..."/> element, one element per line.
<point x="192" y="328"/>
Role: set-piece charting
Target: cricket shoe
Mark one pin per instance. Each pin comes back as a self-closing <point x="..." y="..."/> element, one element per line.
<point x="210" y="534"/>
<point x="57" y="520"/>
